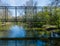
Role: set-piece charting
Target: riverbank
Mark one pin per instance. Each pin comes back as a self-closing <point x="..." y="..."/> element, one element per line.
<point x="40" y="31"/>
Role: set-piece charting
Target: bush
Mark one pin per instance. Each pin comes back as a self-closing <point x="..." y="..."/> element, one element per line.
<point x="37" y="24"/>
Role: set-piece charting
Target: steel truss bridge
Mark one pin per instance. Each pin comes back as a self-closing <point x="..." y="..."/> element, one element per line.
<point x="16" y="8"/>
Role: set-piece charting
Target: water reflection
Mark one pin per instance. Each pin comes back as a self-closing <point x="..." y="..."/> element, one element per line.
<point x="40" y="43"/>
<point x="17" y="31"/>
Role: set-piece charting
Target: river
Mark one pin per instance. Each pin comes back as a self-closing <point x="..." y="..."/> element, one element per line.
<point x="19" y="32"/>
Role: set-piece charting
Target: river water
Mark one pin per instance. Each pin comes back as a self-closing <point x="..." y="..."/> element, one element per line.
<point x="19" y="32"/>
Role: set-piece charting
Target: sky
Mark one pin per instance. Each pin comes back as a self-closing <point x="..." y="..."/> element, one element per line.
<point x="23" y="2"/>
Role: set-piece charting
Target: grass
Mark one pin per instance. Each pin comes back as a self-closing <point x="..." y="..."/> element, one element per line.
<point x="5" y="26"/>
